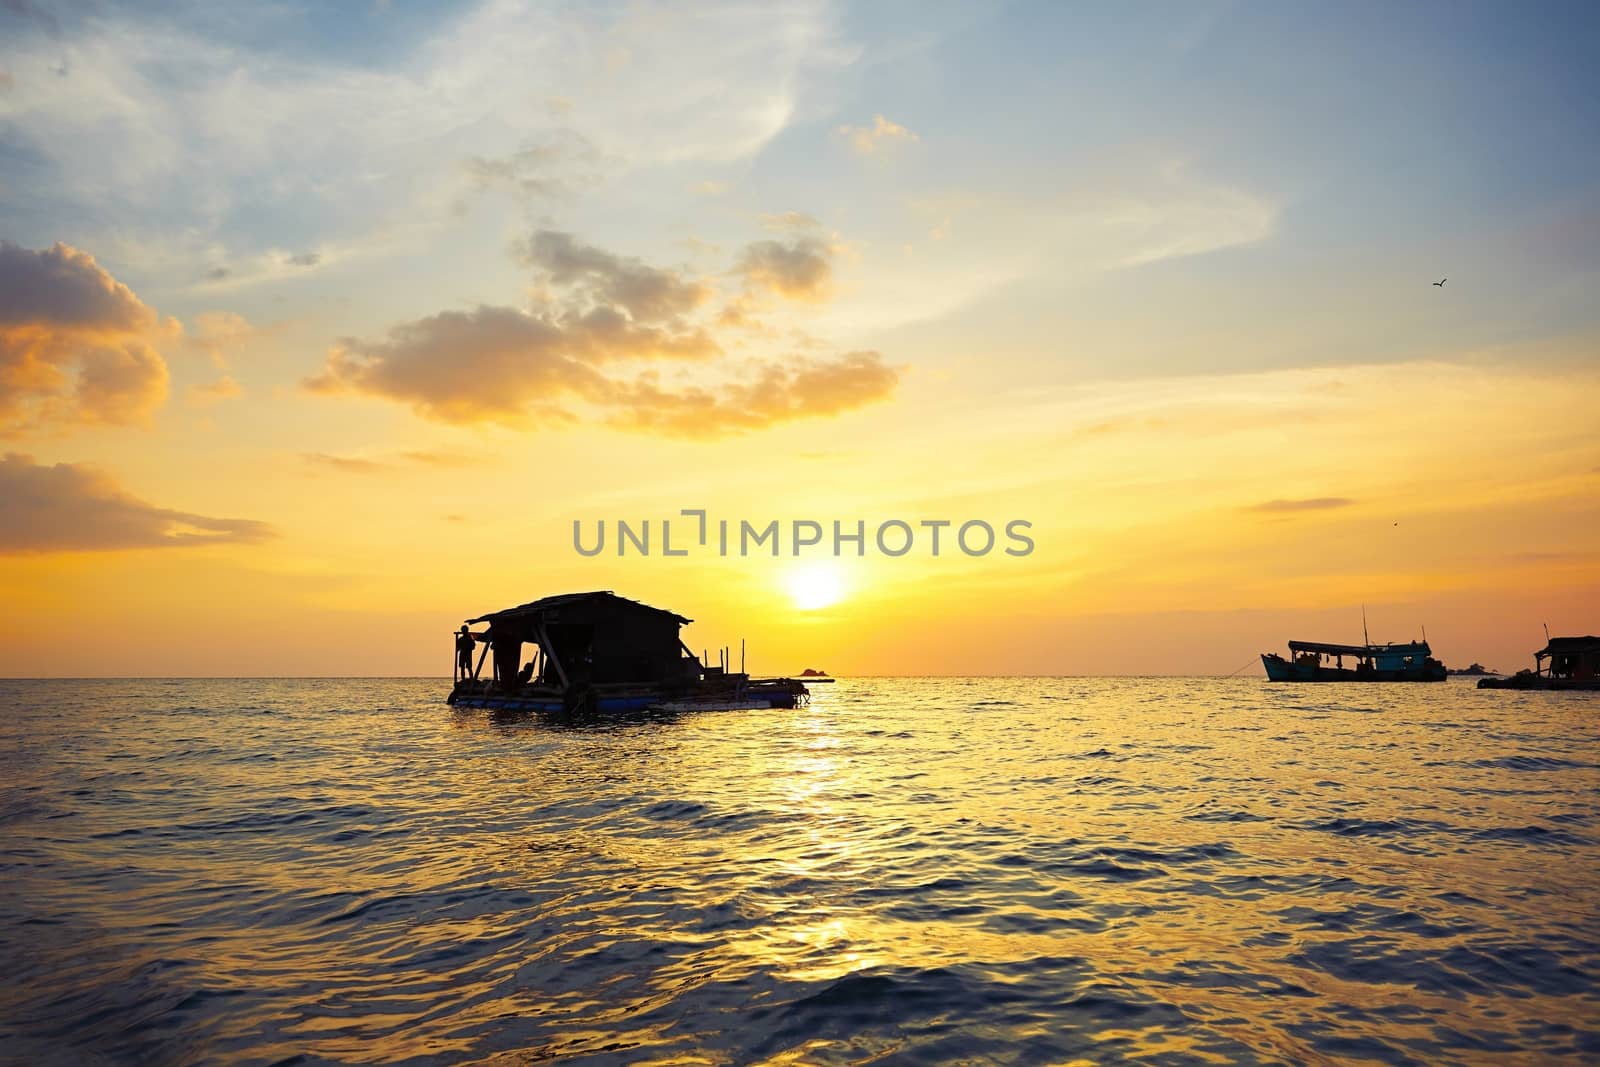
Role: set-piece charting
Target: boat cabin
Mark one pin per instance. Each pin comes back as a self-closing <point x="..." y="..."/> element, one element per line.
<point x="1412" y="654"/>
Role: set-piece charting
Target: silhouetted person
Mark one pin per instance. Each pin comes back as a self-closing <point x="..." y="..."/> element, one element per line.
<point x="525" y="675"/>
<point x="464" y="652"/>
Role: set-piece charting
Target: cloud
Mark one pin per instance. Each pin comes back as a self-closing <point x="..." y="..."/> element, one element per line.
<point x="207" y="393"/>
<point x="70" y="507"/>
<point x="366" y="465"/>
<point x="797" y="270"/>
<point x="1136" y="209"/>
<point x="881" y="134"/>
<point x="27" y="12"/>
<point x="560" y="165"/>
<point x="348" y="464"/>
<point x="498" y="363"/>
<point x="601" y="326"/>
<point x="218" y="334"/>
<point x="799" y="389"/>
<point x="304" y="259"/>
<point x="648" y="294"/>
<point x="789" y="220"/>
<point x="1318" y="503"/>
<point x="76" y="345"/>
<point x="438" y="459"/>
<point x="248" y="145"/>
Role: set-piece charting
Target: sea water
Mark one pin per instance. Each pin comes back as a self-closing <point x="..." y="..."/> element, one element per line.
<point x="905" y="871"/>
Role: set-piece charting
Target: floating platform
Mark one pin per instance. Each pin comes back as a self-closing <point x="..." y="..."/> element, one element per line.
<point x="595" y="653"/>
<point x="1574" y="665"/>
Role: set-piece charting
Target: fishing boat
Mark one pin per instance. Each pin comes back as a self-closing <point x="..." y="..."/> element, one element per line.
<point x="600" y="652"/>
<point x="1319" y="661"/>
<point x="1574" y="664"/>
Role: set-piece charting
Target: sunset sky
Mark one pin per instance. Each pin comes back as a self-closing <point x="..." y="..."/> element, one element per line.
<point x="320" y="325"/>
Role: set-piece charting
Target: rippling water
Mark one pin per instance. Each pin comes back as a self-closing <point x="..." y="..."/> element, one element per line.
<point x="910" y="870"/>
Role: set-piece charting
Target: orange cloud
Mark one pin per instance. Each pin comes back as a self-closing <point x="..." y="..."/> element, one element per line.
<point x="367" y="465"/>
<point x="780" y="393"/>
<point x="69" y="507"/>
<point x="597" y="311"/>
<point x="76" y="345"/>
<point x="497" y="363"/>
<point x="1318" y="503"/>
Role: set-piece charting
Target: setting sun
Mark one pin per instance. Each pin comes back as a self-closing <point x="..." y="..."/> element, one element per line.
<point x="815" y="585"/>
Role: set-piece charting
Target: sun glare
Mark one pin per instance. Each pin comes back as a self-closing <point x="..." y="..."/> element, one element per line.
<point x="815" y="585"/>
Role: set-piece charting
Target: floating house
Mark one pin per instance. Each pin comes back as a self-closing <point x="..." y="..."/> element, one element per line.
<point x="598" y="651"/>
<point x="1319" y="661"/>
<point x="1574" y="663"/>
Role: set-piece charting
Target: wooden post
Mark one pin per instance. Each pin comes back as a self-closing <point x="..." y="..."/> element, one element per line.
<point x="549" y="650"/>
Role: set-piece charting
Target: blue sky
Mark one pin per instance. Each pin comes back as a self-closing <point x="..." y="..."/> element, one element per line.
<point x="1368" y="131"/>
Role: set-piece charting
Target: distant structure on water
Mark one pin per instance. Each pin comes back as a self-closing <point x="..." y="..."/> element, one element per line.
<point x="599" y="652"/>
<point x="1476" y="670"/>
<point x="1574" y="664"/>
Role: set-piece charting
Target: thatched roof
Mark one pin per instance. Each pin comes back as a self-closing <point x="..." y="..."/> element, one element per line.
<point x="550" y="608"/>
<point x="1563" y="645"/>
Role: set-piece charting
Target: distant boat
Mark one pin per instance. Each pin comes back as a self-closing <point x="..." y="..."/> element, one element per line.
<point x="1574" y="664"/>
<point x="1318" y="661"/>
<point x="599" y="652"/>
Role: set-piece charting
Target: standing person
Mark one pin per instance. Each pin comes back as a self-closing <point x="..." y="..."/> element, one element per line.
<point x="464" y="644"/>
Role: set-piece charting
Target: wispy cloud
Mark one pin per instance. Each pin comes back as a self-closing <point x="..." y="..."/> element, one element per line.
<point x="340" y="155"/>
<point x="347" y="464"/>
<point x="397" y="461"/>
<point x="1316" y="503"/>
<point x="205" y="394"/>
<point x="219" y="334"/>
<point x="558" y="166"/>
<point x="74" y="508"/>
<point x="880" y="135"/>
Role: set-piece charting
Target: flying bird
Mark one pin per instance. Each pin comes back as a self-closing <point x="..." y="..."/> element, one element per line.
<point x="1440" y="282"/>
